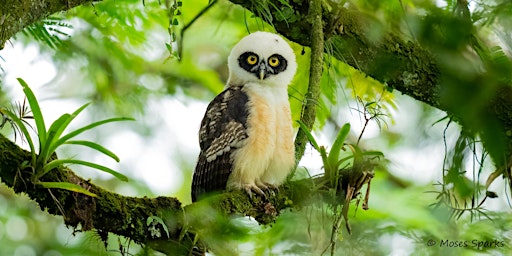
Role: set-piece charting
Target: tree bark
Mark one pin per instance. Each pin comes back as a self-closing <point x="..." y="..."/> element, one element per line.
<point x="15" y="15"/>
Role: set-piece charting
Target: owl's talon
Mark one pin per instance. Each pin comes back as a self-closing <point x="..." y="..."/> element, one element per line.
<point x="269" y="188"/>
<point x="249" y="188"/>
<point x="272" y="187"/>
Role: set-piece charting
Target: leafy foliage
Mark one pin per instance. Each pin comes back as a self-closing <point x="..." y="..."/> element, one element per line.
<point x="49" y="140"/>
<point x="49" y="32"/>
<point x="117" y="54"/>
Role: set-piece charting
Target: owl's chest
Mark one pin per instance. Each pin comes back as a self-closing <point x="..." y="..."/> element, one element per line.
<point x="269" y="133"/>
<point x="269" y="112"/>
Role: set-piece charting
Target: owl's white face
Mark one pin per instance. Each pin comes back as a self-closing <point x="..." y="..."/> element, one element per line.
<point x="263" y="58"/>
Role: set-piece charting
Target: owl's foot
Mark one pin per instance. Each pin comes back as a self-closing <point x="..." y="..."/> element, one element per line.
<point x="249" y="188"/>
<point x="260" y="189"/>
<point x="272" y="188"/>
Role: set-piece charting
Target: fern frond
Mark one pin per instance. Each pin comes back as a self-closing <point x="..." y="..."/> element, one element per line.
<point x="50" y="31"/>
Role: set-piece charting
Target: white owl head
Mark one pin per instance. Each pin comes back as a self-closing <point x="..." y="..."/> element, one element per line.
<point x="263" y="58"/>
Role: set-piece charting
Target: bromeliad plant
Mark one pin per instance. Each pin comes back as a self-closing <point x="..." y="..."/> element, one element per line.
<point x="52" y="138"/>
<point x="344" y="176"/>
<point x="330" y="160"/>
<point x="336" y="168"/>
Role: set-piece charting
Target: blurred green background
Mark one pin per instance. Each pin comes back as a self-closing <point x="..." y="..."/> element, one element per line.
<point x="120" y="56"/>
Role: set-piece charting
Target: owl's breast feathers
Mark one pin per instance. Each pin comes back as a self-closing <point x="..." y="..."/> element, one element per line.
<point x="223" y="130"/>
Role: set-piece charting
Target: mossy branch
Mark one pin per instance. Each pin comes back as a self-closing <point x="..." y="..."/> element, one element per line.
<point x="15" y="15"/>
<point x="308" y="115"/>
<point x="127" y="216"/>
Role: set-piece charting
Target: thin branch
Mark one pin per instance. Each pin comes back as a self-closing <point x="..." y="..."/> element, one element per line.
<point x="187" y="26"/>
<point x="308" y="114"/>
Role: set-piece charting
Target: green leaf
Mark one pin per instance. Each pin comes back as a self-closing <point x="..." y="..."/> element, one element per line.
<point x="58" y="162"/>
<point x="358" y="154"/>
<point x="368" y="104"/>
<point x="158" y="220"/>
<point x="95" y="146"/>
<point x="59" y="124"/>
<point x="492" y="177"/>
<point x="309" y="135"/>
<point x="67" y="186"/>
<point x="334" y="153"/>
<point x="24" y="130"/>
<point x="373" y="153"/>
<point x="46" y="149"/>
<point x="89" y="127"/>
<point x="344" y="159"/>
<point x="58" y="128"/>
<point x="440" y="120"/>
<point x="323" y="154"/>
<point x="36" y="111"/>
<point x="71" y="117"/>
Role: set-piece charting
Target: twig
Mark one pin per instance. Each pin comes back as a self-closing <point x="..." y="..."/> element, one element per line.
<point x="182" y="33"/>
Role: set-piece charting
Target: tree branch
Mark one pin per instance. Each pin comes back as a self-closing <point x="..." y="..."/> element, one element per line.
<point x="308" y="115"/>
<point x="15" y="15"/>
<point x="127" y="216"/>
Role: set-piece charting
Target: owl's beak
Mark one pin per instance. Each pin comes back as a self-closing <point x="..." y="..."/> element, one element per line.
<point x="262" y="69"/>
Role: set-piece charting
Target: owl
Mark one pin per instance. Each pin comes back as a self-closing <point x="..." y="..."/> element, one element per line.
<point x="246" y="135"/>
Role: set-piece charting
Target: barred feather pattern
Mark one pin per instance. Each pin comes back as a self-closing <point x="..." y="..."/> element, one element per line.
<point x="223" y="130"/>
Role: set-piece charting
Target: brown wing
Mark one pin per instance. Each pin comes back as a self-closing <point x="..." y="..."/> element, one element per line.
<point x="222" y="131"/>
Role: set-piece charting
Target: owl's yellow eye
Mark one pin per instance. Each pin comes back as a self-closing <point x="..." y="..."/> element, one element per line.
<point x="252" y="59"/>
<point x="273" y="61"/>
